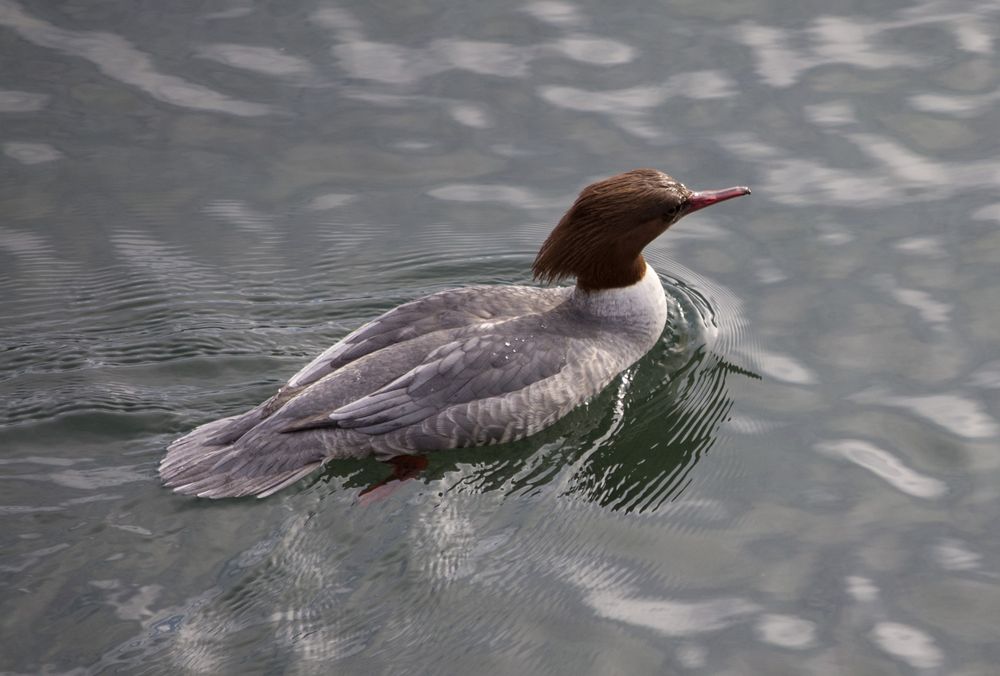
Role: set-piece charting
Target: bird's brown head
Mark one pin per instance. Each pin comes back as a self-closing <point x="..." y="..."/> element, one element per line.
<point x="600" y="239"/>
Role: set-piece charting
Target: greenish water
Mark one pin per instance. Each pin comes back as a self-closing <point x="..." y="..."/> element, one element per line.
<point x="803" y="477"/>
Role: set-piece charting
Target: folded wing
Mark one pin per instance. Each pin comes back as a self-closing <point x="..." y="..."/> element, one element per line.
<point x="473" y="369"/>
<point x="449" y="309"/>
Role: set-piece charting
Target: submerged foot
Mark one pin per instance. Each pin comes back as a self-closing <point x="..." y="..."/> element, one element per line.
<point x="404" y="468"/>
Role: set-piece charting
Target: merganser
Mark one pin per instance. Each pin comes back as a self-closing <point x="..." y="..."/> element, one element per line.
<point x="463" y="367"/>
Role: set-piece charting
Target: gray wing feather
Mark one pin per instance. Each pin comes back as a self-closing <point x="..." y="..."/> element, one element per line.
<point x="475" y="368"/>
<point x="449" y="309"/>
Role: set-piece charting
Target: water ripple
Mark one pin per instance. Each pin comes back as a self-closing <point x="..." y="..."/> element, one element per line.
<point x="671" y="617"/>
<point x="21" y="102"/>
<point x="31" y="153"/>
<point x="632" y="108"/>
<point x="907" y="643"/>
<point x="954" y="412"/>
<point x="118" y="59"/>
<point x="886" y="466"/>
<point x="261" y="59"/>
<point x="786" y="631"/>
<point x="393" y="64"/>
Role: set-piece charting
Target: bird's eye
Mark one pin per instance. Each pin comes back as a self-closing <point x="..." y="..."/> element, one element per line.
<point x="670" y="212"/>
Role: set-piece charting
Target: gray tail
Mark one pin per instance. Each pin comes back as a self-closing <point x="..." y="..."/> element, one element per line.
<point x="220" y="460"/>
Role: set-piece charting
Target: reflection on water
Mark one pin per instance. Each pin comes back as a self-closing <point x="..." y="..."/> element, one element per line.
<point x="31" y="153"/>
<point x="907" y="643"/>
<point x="264" y="60"/>
<point x="21" y="102"/>
<point x="118" y="59"/>
<point x="959" y="415"/>
<point x="886" y="466"/>
<point x="642" y="469"/>
<point x="394" y="64"/>
<point x="632" y="108"/>
<point x="800" y="478"/>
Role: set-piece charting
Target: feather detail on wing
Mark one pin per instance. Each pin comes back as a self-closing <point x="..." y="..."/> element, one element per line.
<point x="473" y="368"/>
<point x="449" y="309"/>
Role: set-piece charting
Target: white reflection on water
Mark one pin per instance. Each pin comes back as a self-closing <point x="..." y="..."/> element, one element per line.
<point x="900" y="176"/>
<point x="928" y="247"/>
<point x="777" y="63"/>
<point x="231" y="13"/>
<point x="88" y="479"/>
<point x="129" y="604"/>
<point x="595" y="50"/>
<point x="931" y="311"/>
<point x="784" y="55"/>
<point x="971" y="36"/>
<point x="745" y="424"/>
<point x="897" y="174"/>
<point x="831" y="113"/>
<point x="991" y="212"/>
<point x="471" y="115"/>
<point x="28" y="560"/>
<point x="239" y="214"/>
<point x="861" y="589"/>
<point x="331" y="200"/>
<point x="670" y="617"/>
<point x="259" y="59"/>
<point x="344" y="24"/>
<point x="393" y="64"/>
<point x="31" y="249"/>
<point x="780" y="62"/>
<point x="31" y="153"/>
<point x="884" y="465"/>
<point x="954" y="412"/>
<point x="909" y="644"/>
<point x="21" y="102"/>
<point x="367" y="59"/>
<point x="834" y="234"/>
<point x="959" y="106"/>
<point x="118" y="59"/>
<point x="786" y="631"/>
<point x="577" y="45"/>
<point x="852" y="41"/>
<point x="793" y="180"/>
<point x="784" y="368"/>
<point x="952" y="554"/>
<point x="631" y="108"/>
<point x="167" y="262"/>
<point x="905" y="165"/>
<point x="988" y="376"/>
<point x="479" y="56"/>
<point x="692" y="655"/>
<point x="561" y="14"/>
<point x="767" y="271"/>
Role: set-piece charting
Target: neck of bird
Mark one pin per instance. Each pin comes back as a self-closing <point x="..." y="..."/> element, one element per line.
<point x="612" y="274"/>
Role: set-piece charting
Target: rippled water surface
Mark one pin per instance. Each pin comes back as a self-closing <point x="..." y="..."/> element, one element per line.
<point x="803" y="477"/>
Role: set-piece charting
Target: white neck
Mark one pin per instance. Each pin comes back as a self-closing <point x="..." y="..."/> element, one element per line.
<point x="642" y="302"/>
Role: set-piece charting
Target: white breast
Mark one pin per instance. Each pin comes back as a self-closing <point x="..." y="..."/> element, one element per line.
<point x="643" y="303"/>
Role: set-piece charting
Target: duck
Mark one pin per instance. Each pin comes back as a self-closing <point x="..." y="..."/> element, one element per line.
<point x="465" y="367"/>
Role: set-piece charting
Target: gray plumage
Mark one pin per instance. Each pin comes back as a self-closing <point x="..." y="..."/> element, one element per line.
<point x="464" y="367"/>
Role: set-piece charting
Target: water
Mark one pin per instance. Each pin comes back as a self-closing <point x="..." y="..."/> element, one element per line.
<point x="800" y="478"/>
